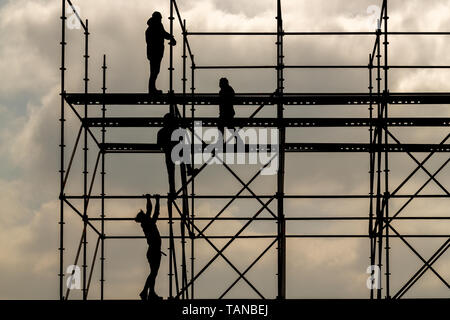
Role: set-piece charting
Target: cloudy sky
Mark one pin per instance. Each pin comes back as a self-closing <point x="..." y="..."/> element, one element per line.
<point x="29" y="111"/>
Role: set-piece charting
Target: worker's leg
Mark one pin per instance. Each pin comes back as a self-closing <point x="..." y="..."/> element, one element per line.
<point x="170" y="172"/>
<point x="155" y="66"/>
<point x="221" y="128"/>
<point x="191" y="171"/>
<point x="144" y="292"/>
<point x="232" y="133"/>
<point x="151" y="81"/>
<point x="155" y="262"/>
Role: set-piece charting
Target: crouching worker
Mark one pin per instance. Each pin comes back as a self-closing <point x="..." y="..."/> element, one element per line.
<point x="148" y="224"/>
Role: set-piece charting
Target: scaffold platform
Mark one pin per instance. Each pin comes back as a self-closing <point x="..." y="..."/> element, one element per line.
<point x="288" y="147"/>
<point x="256" y="99"/>
<point x="142" y="122"/>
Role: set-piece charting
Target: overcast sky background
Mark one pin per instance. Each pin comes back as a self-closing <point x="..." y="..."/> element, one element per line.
<point x="334" y="268"/>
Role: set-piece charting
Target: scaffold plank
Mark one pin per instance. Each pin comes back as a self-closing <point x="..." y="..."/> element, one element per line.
<point x="290" y="147"/>
<point x="272" y="122"/>
<point x="255" y="99"/>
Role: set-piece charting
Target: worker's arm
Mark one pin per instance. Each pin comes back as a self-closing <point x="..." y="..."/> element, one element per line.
<point x="156" y="213"/>
<point x="168" y="36"/>
<point x="149" y="206"/>
<point x="228" y="96"/>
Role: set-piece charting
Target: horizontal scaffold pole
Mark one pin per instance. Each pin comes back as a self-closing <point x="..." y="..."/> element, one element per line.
<point x="294" y="236"/>
<point x="263" y="196"/>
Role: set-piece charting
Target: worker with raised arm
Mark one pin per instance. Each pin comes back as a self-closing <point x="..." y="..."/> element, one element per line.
<point x="148" y="224"/>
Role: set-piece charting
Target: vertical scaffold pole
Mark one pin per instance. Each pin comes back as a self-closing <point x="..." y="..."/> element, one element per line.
<point x="386" y="138"/>
<point x="61" y="146"/>
<point x="85" y="149"/>
<point x="103" y="173"/>
<point x="281" y="234"/>
<point x="379" y="142"/>
<point x="183" y="222"/>
<point x="172" y="190"/>
<point x="171" y="69"/>
<point x="184" y="79"/>
<point x="371" y="172"/>
<point x="170" y="207"/>
<point x="193" y="179"/>
<point x="185" y="217"/>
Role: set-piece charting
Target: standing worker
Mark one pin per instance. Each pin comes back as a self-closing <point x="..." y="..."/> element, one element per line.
<point x="226" y="108"/>
<point x="154" y="36"/>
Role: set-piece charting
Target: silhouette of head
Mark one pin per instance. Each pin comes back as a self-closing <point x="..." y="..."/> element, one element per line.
<point x="169" y="120"/>
<point x="157" y="15"/>
<point x="140" y="216"/>
<point x="223" y="83"/>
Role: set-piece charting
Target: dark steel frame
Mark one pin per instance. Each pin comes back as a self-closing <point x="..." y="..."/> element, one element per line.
<point x="378" y="99"/>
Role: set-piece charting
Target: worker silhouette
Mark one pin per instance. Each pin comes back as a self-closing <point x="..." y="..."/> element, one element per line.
<point x="154" y="37"/>
<point x="226" y="108"/>
<point x="148" y="224"/>
<point x="165" y="143"/>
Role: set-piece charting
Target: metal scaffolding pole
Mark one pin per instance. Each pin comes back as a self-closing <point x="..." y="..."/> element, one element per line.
<point x="103" y="173"/>
<point x="281" y="160"/>
<point x="184" y="57"/>
<point x="85" y="149"/>
<point x="379" y="223"/>
<point x="61" y="146"/>
<point x="371" y="177"/>
<point x="386" y="140"/>
<point x="192" y="230"/>
<point x="185" y="218"/>
<point x="170" y="201"/>
<point x="183" y="172"/>
<point x="171" y="67"/>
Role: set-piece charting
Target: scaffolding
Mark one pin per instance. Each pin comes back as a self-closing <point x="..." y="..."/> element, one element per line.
<point x="381" y="144"/>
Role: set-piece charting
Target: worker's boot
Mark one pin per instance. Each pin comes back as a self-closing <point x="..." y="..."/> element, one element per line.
<point x="153" y="296"/>
<point x="152" y="89"/>
<point x="143" y="295"/>
<point x="155" y="92"/>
